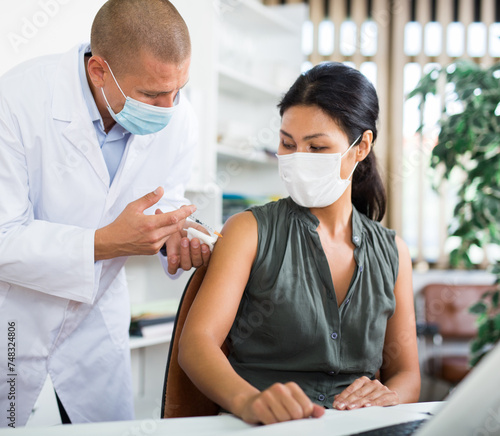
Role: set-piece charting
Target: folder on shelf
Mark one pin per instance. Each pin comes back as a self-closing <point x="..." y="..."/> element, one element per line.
<point x="153" y="319"/>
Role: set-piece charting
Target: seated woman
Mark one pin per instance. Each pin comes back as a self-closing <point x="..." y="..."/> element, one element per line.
<point x="314" y="294"/>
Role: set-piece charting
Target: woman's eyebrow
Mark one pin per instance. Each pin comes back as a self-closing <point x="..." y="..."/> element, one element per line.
<point x="315" y="135"/>
<point x="305" y="138"/>
<point x="286" y="134"/>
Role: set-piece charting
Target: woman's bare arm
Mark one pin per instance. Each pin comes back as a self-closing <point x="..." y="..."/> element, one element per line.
<point x="401" y="371"/>
<point x="208" y="323"/>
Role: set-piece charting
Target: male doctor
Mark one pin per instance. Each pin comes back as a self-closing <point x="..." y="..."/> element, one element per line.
<point x="92" y="144"/>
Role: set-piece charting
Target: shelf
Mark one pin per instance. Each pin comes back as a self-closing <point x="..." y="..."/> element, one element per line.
<point x="199" y="189"/>
<point x="139" y="342"/>
<point x="250" y="14"/>
<point x="255" y="156"/>
<point x="244" y="86"/>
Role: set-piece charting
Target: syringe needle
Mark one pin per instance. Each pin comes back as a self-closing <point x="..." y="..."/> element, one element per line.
<point x="196" y="220"/>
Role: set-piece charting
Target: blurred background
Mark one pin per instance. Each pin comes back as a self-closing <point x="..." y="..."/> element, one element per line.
<point x="443" y="198"/>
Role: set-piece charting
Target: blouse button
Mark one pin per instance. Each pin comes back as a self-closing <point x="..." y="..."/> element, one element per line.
<point x="355" y="239"/>
<point x="360" y="268"/>
<point x="321" y="397"/>
<point x="347" y="301"/>
<point x="331" y="372"/>
<point x="334" y="335"/>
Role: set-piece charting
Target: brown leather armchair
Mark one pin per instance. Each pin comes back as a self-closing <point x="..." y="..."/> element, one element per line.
<point x="181" y="398"/>
<point x="448" y="320"/>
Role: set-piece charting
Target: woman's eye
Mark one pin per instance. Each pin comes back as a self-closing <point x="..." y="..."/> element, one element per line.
<point x="287" y="146"/>
<point x="313" y="148"/>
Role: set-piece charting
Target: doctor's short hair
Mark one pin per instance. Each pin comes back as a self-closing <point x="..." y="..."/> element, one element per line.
<point x="349" y="99"/>
<point x="123" y="28"/>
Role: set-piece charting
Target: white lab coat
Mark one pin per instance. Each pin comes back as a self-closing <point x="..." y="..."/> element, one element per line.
<point x="71" y="314"/>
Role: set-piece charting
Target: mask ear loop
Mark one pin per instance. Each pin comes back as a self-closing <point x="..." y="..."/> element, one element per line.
<point x="107" y="102"/>
<point x="116" y="81"/>
<point x="352" y="145"/>
<point x="352" y="172"/>
<point x="356" y="164"/>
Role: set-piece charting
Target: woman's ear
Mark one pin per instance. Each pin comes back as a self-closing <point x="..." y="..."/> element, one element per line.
<point x="365" y="145"/>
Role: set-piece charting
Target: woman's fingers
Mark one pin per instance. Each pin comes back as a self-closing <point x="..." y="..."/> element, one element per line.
<point x="283" y="402"/>
<point x="348" y="394"/>
<point x="384" y="398"/>
<point x="299" y="405"/>
<point x="261" y="412"/>
<point x="364" y="392"/>
<point x="318" y="411"/>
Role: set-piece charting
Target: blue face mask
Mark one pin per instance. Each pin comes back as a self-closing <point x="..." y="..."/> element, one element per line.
<point x="140" y="118"/>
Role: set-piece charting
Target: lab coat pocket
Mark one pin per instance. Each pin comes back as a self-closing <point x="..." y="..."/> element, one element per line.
<point x="4" y="290"/>
<point x="114" y="306"/>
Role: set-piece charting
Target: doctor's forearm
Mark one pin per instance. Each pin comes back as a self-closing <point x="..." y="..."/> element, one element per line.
<point x="103" y="246"/>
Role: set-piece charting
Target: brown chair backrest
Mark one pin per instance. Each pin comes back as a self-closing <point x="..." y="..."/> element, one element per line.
<point x="181" y="398"/>
<point x="447" y="306"/>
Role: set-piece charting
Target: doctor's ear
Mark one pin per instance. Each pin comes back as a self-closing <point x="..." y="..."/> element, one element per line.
<point x="96" y="70"/>
<point x="364" y="146"/>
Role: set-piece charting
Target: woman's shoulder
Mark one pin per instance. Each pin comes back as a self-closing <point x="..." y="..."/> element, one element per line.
<point x="257" y="218"/>
<point x="241" y="221"/>
<point x="382" y="244"/>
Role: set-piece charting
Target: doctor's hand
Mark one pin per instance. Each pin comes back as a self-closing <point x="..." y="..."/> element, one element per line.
<point x="278" y="403"/>
<point x="364" y="392"/>
<point x="134" y="233"/>
<point x="185" y="254"/>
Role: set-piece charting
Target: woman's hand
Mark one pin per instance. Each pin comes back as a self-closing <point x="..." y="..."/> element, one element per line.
<point x="364" y="392"/>
<point x="278" y="403"/>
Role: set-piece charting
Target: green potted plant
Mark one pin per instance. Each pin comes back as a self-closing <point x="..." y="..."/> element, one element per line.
<point x="469" y="143"/>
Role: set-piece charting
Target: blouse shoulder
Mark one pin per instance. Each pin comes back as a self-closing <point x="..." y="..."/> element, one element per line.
<point x="380" y="241"/>
<point x="270" y="211"/>
<point x="273" y="222"/>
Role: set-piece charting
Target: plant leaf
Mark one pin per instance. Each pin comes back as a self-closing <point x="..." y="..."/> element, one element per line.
<point x="478" y="308"/>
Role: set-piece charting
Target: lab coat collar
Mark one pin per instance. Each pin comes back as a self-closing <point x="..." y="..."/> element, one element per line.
<point x="68" y="104"/>
<point x="87" y="93"/>
<point x="67" y="97"/>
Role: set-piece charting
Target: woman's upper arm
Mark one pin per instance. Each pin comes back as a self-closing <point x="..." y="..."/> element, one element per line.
<point x="216" y="304"/>
<point x="400" y="347"/>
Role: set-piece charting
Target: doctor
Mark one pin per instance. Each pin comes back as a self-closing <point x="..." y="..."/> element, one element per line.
<point x="92" y="143"/>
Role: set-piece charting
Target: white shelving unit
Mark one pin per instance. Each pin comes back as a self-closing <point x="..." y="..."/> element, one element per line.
<point x="244" y="57"/>
<point x="252" y="14"/>
<point x="259" y="58"/>
<point x="247" y="156"/>
<point x="242" y="85"/>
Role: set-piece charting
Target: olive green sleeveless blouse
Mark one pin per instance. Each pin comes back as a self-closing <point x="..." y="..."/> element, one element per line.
<point x="289" y="327"/>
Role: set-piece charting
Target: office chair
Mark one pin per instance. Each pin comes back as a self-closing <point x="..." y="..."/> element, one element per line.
<point x="181" y="398"/>
<point x="448" y="321"/>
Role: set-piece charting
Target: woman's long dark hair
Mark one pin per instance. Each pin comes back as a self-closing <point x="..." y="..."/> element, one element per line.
<point x="351" y="101"/>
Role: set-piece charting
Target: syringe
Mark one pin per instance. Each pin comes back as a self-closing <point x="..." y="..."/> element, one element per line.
<point x="197" y="221"/>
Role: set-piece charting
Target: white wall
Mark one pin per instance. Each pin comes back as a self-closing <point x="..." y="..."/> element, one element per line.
<point x="31" y="28"/>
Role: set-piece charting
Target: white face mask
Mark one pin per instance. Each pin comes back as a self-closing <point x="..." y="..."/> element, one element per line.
<point x="313" y="180"/>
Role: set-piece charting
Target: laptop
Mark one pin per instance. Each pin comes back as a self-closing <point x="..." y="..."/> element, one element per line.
<point x="472" y="409"/>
